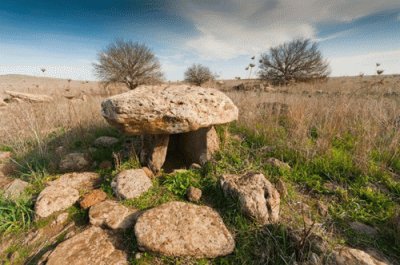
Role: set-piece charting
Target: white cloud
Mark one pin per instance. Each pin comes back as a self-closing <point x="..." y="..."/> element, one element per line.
<point x="366" y="63"/>
<point x="231" y="28"/>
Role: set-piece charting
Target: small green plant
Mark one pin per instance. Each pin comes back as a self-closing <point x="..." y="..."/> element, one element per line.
<point x="15" y="215"/>
<point x="179" y="182"/>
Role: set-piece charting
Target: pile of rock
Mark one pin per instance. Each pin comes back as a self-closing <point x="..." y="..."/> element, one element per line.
<point x="175" y="118"/>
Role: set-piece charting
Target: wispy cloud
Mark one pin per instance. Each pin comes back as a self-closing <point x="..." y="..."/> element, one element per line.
<point x="233" y="28"/>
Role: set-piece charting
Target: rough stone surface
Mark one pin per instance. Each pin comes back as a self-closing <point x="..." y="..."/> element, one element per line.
<point x="168" y="109"/>
<point x="106" y="141"/>
<point x="112" y="214"/>
<point x="154" y="151"/>
<point x="257" y="196"/>
<point x="93" y="198"/>
<point x="193" y="194"/>
<point x="83" y="181"/>
<point x="199" y="146"/>
<point x="352" y="256"/>
<point x="92" y="246"/>
<point x="363" y="228"/>
<point x="183" y="229"/>
<point x="29" y="97"/>
<point x="148" y="172"/>
<point x="55" y="198"/>
<point x="282" y="189"/>
<point x="74" y="162"/>
<point x="130" y="184"/>
<point x="105" y="165"/>
<point x="277" y="163"/>
<point x="15" y="189"/>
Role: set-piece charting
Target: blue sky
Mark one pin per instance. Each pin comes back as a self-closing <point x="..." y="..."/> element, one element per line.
<point x="65" y="36"/>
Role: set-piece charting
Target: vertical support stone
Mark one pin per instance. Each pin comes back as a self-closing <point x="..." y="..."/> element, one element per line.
<point x="199" y="146"/>
<point x="154" y="151"/>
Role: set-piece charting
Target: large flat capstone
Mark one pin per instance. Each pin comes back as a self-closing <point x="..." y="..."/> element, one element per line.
<point x="183" y="229"/>
<point x="168" y="109"/>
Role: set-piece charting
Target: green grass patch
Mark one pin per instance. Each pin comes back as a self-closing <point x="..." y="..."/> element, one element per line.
<point x="15" y="216"/>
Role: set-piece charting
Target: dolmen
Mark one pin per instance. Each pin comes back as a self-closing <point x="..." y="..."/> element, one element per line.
<point x="178" y="119"/>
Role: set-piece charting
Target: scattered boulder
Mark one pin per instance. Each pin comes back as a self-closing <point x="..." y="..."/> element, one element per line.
<point x="15" y="189"/>
<point x="112" y="215"/>
<point x="282" y="189"/>
<point x="106" y="141"/>
<point x="363" y="229"/>
<point x="105" y="165"/>
<point x="83" y="181"/>
<point x="193" y="194"/>
<point x="277" y="163"/>
<point x="257" y="196"/>
<point x="183" y="229"/>
<point x="75" y="162"/>
<point x="93" y="198"/>
<point x="63" y="192"/>
<point x="130" y="184"/>
<point x="55" y="198"/>
<point x="352" y="256"/>
<point x="92" y="246"/>
<point x="33" y="98"/>
<point x="156" y="112"/>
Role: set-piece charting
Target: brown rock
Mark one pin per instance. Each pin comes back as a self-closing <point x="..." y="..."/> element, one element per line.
<point x="282" y="189"/>
<point x="130" y="184"/>
<point x="15" y="188"/>
<point x="257" y="196"/>
<point x="93" y="198"/>
<point x="352" y="256"/>
<point x="105" y="165"/>
<point x="154" y="151"/>
<point x="183" y="229"/>
<point x="112" y="214"/>
<point x="363" y="228"/>
<point x="106" y="141"/>
<point x="193" y="194"/>
<point x="322" y="209"/>
<point x="29" y="97"/>
<point x="199" y="146"/>
<point x="55" y="198"/>
<point x="148" y="172"/>
<point x="277" y="163"/>
<point x="75" y="162"/>
<point x="83" y="181"/>
<point x="168" y="109"/>
<point x="92" y="246"/>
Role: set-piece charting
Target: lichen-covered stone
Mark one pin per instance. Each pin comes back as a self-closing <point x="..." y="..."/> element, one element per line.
<point x="183" y="229"/>
<point x="92" y="246"/>
<point x="130" y="184"/>
<point x="168" y="109"/>
<point x="258" y="198"/>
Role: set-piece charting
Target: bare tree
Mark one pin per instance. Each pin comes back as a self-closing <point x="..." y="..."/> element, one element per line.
<point x="198" y="74"/>
<point x="297" y="60"/>
<point x="129" y="63"/>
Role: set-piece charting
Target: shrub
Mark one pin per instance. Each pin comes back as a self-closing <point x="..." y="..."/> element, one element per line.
<point x="198" y="74"/>
<point x="297" y="60"/>
<point x="129" y="63"/>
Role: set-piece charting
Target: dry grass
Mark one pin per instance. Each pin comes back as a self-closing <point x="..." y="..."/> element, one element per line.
<point x="317" y="112"/>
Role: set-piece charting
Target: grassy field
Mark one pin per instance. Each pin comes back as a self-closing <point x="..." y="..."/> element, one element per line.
<point x="340" y="137"/>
